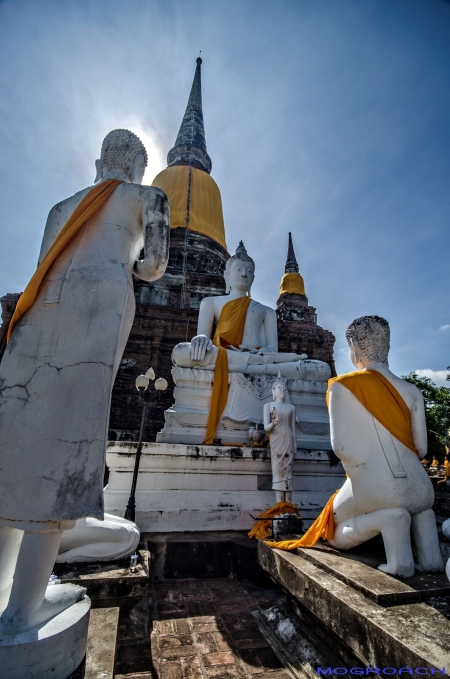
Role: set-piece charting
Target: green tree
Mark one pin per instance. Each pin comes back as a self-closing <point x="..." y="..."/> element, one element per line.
<point x="437" y="413"/>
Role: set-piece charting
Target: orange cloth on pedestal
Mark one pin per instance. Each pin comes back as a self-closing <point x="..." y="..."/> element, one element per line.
<point x="88" y="206"/>
<point x="323" y="527"/>
<point x="261" y="529"/>
<point x="229" y="332"/>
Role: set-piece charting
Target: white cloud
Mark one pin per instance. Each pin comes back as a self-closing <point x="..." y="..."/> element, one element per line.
<point x="438" y="376"/>
<point x="445" y="327"/>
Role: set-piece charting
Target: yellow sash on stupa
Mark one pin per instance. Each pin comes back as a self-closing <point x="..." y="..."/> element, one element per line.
<point x="88" y="206"/>
<point x="384" y="402"/>
<point x="229" y="332"/>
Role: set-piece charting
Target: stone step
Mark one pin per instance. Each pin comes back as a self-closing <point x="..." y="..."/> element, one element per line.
<point x="297" y="649"/>
<point x="360" y="572"/>
<point x="354" y="626"/>
<point x="101" y="645"/>
<point x="111" y="583"/>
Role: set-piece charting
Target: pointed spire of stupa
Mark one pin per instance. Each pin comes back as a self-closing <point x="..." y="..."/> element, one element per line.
<point x="292" y="282"/>
<point x="291" y="260"/>
<point x="190" y="146"/>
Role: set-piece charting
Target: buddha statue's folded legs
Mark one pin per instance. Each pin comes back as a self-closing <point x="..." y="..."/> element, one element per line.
<point x="289" y="365"/>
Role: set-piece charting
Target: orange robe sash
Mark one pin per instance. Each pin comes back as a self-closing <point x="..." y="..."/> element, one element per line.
<point x="229" y="332"/>
<point x="384" y="402"/>
<point x="323" y="527"/>
<point x="89" y="205"/>
<point x="261" y="529"/>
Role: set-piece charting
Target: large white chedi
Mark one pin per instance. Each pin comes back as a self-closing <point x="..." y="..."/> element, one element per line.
<point x="56" y="378"/>
<point x="387" y="490"/>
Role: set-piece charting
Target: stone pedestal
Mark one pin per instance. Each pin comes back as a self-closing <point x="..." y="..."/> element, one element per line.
<point x="52" y="650"/>
<point x="186" y="420"/>
<point x="202" y="488"/>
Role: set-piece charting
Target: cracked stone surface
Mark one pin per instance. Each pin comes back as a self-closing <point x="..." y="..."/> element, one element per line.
<point x="59" y="367"/>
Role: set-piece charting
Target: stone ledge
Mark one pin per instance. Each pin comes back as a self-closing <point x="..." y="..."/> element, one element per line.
<point x="109" y="583"/>
<point x="101" y="646"/>
<point x="377" y="586"/>
<point x="410" y="635"/>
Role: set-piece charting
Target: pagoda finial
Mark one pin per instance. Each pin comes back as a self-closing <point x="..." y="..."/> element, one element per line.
<point x="291" y="261"/>
<point x="190" y="146"/>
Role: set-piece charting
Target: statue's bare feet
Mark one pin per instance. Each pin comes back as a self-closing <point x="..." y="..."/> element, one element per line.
<point x="57" y="599"/>
<point x="402" y="571"/>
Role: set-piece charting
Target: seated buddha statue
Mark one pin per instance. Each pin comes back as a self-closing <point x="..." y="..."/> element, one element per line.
<point x="248" y="333"/>
<point x="245" y="340"/>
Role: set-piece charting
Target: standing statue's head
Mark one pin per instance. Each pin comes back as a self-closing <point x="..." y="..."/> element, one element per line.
<point x="368" y="340"/>
<point x="239" y="271"/>
<point x="279" y="388"/>
<point x="123" y="156"/>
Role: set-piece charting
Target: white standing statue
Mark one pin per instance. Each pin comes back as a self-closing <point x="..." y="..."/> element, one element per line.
<point x="378" y="431"/>
<point x="67" y="337"/>
<point x="279" y="420"/>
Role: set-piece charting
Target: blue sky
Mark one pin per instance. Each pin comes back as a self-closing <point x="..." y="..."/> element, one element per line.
<point x="327" y="118"/>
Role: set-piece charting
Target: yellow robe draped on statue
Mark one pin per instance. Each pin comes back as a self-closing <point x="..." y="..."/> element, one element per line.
<point x="229" y="332"/>
<point x="88" y="206"/>
<point x="384" y="402"/>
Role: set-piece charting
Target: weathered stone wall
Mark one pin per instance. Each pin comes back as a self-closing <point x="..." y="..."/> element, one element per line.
<point x="8" y="303"/>
<point x="166" y="314"/>
<point x="298" y="331"/>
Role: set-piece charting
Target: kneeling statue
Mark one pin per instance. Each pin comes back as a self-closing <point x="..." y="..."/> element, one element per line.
<point x="378" y="431"/>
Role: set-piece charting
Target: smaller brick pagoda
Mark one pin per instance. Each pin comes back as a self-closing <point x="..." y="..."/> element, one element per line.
<point x="298" y="331"/>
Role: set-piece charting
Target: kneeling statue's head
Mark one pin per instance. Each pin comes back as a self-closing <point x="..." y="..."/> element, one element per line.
<point x="123" y="156"/>
<point x="239" y="271"/>
<point x="368" y="339"/>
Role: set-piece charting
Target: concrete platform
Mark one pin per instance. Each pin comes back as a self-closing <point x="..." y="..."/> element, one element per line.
<point x="109" y="584"/>
<point x="337" y="600"/>
<point x="211" y="488"/>
<point x="101" y="646"/>
<point x="359" y="569"/>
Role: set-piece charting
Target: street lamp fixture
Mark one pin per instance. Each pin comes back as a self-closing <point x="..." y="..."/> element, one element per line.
<point x="142" y="385"/>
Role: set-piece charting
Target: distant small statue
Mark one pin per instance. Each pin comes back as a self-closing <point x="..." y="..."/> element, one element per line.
<point x="67" y="336"/>
<point x="279" y="420"/>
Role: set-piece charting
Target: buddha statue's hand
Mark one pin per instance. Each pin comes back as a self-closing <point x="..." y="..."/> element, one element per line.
<point x="200" y="344"/>
<point x="248" y="347"/>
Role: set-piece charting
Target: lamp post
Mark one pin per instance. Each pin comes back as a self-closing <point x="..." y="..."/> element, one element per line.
<point x="142" y="385"/>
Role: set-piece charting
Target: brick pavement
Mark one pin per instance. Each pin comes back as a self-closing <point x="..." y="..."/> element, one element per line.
<point x="203" y="629"/>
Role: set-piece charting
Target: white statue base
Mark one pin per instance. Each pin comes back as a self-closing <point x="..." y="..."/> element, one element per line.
<point x="186" y="420"/>
<point x="54" y="649"/>
<point x="93" y="540"/>
<point x="202" y="488"/>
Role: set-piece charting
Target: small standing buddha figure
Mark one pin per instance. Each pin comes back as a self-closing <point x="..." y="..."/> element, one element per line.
<point x="279" y="420"/>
